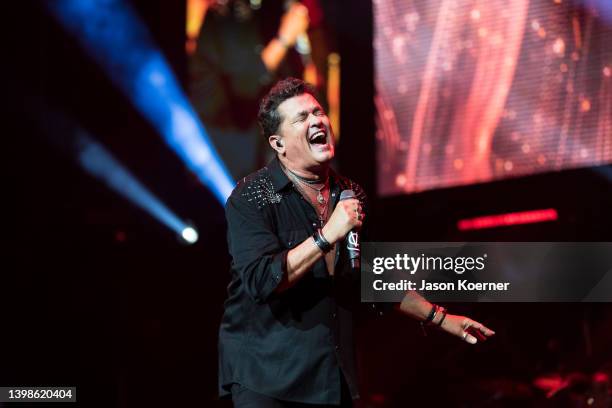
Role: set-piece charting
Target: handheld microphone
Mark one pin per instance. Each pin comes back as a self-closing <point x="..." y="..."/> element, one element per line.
<point x="352" y="238"/>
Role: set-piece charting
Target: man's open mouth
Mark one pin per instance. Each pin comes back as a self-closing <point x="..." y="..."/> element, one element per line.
<point x="319" y="137"/>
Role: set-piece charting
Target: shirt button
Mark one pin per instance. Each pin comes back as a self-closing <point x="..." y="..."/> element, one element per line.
<point x="337" y="347"/>
<point x="333" y="315"/>
<point x="314" y="224"/>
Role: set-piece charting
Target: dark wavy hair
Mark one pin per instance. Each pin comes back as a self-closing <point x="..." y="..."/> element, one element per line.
<point x="268" y="117"/>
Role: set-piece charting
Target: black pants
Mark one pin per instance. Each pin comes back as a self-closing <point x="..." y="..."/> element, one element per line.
<point x="244" y="398"/>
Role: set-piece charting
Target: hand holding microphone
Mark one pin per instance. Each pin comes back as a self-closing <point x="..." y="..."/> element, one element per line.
<point x="345" y="221"/>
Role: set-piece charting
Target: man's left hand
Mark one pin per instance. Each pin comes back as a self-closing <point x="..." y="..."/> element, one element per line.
<point x="467" y="329"/>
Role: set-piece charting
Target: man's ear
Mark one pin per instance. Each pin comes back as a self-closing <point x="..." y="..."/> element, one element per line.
<point x="276" y="142"/>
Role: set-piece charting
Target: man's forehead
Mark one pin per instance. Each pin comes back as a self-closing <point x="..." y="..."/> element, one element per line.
<point x="298" y="103"/>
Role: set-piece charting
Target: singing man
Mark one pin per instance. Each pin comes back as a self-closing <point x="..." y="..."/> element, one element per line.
<point x="286" y="336"/>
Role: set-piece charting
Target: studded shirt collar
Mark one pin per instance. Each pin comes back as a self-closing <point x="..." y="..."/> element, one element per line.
<point x="278" y="176"/>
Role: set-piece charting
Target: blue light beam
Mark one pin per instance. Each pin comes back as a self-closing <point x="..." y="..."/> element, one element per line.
<point x="113" y="35"/>
<point x="100" y="163"/>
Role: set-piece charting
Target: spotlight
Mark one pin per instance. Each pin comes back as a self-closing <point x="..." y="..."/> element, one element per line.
<point x="113" y="34"/>
<point x="101" y="164"/>
<point x="75" y="142"/>
<point x="190" y="235"/>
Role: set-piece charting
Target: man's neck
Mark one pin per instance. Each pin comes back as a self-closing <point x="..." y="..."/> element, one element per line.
<point x="312" y="174"/>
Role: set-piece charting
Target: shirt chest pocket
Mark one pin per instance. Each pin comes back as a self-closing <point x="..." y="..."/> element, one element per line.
<point x="292" y="238"/>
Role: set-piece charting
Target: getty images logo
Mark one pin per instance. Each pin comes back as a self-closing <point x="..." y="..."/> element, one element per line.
<point x="411" y="264"/>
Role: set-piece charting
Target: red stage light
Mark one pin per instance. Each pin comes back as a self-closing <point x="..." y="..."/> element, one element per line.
<point x="513" y="218"/>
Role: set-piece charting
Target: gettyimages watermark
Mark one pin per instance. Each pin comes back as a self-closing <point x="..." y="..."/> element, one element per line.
<point x="487" y="271"/>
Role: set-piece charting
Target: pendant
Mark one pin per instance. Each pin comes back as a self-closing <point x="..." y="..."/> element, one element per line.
<point x="320" y="198"/>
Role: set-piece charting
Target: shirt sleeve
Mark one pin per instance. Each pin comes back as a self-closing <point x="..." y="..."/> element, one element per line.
<point x="258" y="257"/>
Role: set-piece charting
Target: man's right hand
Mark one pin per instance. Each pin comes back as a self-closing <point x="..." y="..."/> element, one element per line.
<point x="347" y="215"/>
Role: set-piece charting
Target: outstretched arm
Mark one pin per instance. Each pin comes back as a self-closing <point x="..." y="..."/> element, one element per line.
<point x="417" y="307"/>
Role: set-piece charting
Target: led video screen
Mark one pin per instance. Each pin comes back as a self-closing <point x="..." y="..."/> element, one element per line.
<point x="475" y="91"/>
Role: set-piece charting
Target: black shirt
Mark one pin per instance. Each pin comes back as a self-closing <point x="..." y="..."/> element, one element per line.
<point x="291" y="345"/>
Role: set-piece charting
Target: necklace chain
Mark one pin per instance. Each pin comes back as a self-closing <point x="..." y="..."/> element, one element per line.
<point x="308" y="183"/>
<point x="304" y="179"/>
<point x="320" y="202"/>
<point x="320" y="197"/>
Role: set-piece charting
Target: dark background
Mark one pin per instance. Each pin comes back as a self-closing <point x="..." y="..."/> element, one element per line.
<point x="99" y="295"/>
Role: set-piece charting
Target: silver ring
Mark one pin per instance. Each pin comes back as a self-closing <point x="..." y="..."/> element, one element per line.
<point x="465" y="334"/>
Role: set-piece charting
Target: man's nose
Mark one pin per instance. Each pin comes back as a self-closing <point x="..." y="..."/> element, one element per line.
<point x="316" y="120"/>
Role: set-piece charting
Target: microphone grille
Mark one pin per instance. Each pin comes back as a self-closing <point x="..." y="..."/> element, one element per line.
<point x="346" y="194"/>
